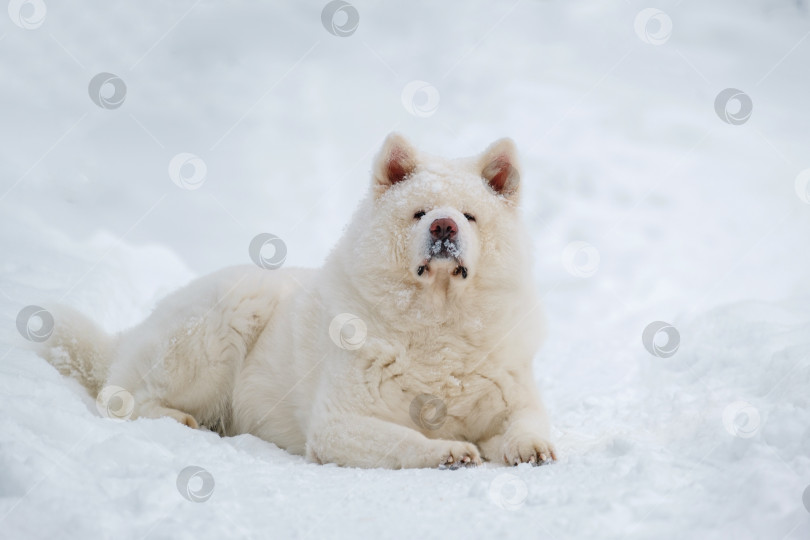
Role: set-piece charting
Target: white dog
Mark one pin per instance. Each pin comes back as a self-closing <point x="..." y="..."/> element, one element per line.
<point x="411" y="347"/>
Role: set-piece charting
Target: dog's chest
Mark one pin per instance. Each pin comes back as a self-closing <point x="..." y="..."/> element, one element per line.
<point x="436" y="375"/>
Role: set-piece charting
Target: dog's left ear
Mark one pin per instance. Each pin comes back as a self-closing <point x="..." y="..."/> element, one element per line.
<point x="394" y="163"/>
<point x="499" y="168"/>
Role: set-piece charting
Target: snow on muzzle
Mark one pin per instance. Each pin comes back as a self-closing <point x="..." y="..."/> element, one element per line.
<point x="443" y="244"/>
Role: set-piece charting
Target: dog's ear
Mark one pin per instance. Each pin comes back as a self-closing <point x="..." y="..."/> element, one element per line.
<point x="394" y="162"/>
<point x="499" y="168"/>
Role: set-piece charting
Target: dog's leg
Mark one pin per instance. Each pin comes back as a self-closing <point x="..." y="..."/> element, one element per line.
<point x="154" y="410"/>
<point x="362" y="441"/>
<point x="525" y="439"/>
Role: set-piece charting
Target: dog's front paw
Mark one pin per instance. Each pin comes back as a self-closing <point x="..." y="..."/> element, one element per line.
<point x="528" y="449"/>
<point x="460" y="454"/>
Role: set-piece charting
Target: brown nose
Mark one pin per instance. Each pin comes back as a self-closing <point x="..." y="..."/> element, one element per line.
<point x="443" y="229"/>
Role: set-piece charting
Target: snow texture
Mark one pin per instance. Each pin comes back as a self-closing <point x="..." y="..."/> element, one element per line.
<point x="644" y="205"/>
<point x="447" y="246"/>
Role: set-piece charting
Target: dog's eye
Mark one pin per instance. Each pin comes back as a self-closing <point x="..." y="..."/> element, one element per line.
<point x="469" y="217"/>
<point x="419" y="214"/>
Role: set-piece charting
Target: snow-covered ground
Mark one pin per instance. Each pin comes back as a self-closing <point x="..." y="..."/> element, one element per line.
<point x="644" y="206"/>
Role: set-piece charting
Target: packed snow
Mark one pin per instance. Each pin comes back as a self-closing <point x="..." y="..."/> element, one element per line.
<point x="663" y="147"/>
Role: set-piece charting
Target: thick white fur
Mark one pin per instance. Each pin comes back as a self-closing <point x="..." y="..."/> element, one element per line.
<point x="248" y="350"/>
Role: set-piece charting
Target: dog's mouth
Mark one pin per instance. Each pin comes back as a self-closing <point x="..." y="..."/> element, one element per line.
<point x="443" y="251"/>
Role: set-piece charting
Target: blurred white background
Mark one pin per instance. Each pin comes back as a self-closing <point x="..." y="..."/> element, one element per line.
<point x="696" y="221"/>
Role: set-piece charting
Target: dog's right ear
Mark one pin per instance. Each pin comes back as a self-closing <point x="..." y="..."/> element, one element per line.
<point x="394" y="163"/>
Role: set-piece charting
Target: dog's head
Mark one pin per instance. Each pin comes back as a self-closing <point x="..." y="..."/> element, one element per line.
<point x="442" y="222"/>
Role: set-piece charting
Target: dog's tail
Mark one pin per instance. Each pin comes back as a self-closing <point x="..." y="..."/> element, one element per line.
<point x="78" y="348"/>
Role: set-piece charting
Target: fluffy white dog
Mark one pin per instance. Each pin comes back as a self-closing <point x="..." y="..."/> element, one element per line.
<point x="411" y="347"/>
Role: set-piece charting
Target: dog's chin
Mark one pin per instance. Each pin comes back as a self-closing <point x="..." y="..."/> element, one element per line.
<point x="432" y="267"/>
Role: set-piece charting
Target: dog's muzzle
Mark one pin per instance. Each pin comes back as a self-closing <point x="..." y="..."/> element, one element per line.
<point x="443" y="245"/>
